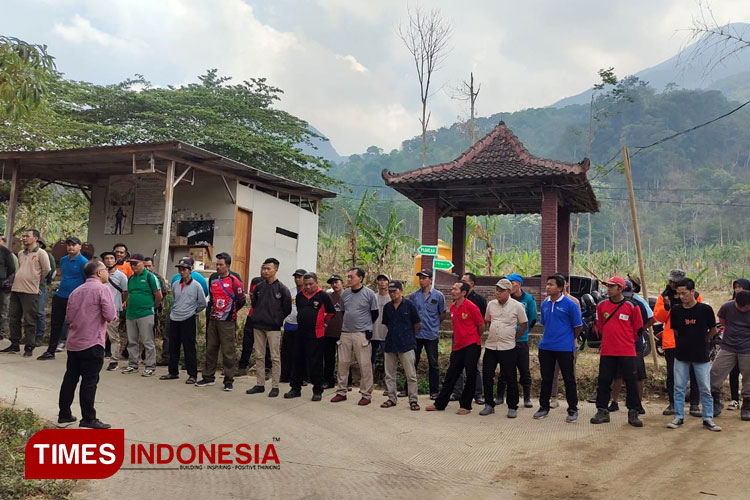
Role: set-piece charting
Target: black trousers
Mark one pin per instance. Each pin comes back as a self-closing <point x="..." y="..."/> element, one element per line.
<point x="431" y="348"/>
<point x="287" y="354"/>
<point x="57" y="320"/>
<point x="566" y="360"/>
<point x="609" y="367"/>
<point x="248" y="341"/>
<point x="462" y="359"/>
<point x="695" y="395"/>
<point x="308" y="359"/>
<point x="734" y="383"/>
<point x="182" y="333"/>
<point x="522" y="365"/>
<point x="84" y="365"/>
<point x="507" y="362"/>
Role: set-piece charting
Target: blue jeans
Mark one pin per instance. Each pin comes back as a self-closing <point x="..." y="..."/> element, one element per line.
<point x="703" y="377"/>
<point x="41" y="315"/>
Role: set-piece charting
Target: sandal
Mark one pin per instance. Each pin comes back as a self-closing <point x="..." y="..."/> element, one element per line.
<point x="414" y="406"/>
<point x="190" y="380"/>
<point x="388" y="404"/>
<point x="463" y="411"/>
<point x="169" y="377"/>
<point x="432" y="408"/>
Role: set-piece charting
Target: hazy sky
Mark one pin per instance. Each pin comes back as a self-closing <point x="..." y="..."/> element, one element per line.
<point x="340" y="63"/>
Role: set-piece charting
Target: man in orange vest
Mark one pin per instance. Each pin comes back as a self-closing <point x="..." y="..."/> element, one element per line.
<point x="664" y="304"/>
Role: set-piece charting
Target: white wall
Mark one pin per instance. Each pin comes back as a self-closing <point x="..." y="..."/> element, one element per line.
<point x="269" y="213"/>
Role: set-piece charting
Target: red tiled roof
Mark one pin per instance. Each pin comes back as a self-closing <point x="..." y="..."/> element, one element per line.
<point x="499" y="155"/>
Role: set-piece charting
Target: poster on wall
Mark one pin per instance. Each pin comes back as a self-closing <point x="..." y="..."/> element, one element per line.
<point x="149" y="200"/>
<point x="119" y="205"/>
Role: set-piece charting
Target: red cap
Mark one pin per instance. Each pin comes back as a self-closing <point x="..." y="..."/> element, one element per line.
<point x="616" y="280"/>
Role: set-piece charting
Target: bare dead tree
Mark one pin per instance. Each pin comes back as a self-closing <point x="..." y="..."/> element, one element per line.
<point x="715" y="42"/>
<point x="426" y="37"/>
<point x="465" y="92"/>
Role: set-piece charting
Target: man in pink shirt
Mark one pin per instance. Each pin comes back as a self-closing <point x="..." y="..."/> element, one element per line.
<point x="90" y="307"/>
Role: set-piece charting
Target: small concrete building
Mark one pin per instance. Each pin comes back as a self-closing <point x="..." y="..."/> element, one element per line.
<point x="214" y="204"/>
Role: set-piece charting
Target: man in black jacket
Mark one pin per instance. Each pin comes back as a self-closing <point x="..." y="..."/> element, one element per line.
<point x="7" y="273"/>
<point x="271" y="302"/>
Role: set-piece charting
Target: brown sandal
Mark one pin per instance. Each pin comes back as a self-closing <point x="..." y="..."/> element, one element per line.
<point x="463" y="411"/>
<point x="388" y="404"/>
<point x="190" y="380"/>
<point x="414" y="406"/>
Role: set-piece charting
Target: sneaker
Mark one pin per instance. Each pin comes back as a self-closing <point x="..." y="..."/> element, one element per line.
<point x="499" y="400"/>
<point x="364" y="402"/>
<point x="633" y="418"/>
<point x="527" y="403"/>
<point x="734" y="405"/>
<point x="676" y="423"/>
<point x="541" y="413"/>
<point x="11" y="349"/>
<point x="433" y="396"/>
<point x="591" y="399"/>
<point x="130" y="369"/>
<point x="669" y="410"/>
<point x="695" y="411"/>
<point x="479" y="400"/>
<point x="487" y="410"/>
<point x="258" y="389"/>
<point x="641" y="410"/>
<point x="338" y="398"/>
<point x="613" y="406"/>
<point x="572" y="417"/>
<point x="228" y="387"/>
<point x="63" y="422"/>
<point x="112" y="366"/>
<point x="27" y="353"/>
<point x="274" y="392"/>
<point x="745" y="410"/>
<point x="553" y="403"/>
<point x="601" y="417"/>
<point x="317" y="397"/>
<point x="453" y="398"/>
<point x="94" y="424"/>
<point x="512" y="413"/>
<point x="148" y="372"/>
<point x="293" y="394"/>
<point x="204" y="383"/>
<point x="46" y="355"/>
<point x="60" y="347"/>
<point x="711" y="426"/>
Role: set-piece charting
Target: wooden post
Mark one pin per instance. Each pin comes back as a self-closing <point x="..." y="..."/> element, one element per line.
<point x="637" y="233"/>
<point x="166" y="228"/>
<point x="12" y="206"/>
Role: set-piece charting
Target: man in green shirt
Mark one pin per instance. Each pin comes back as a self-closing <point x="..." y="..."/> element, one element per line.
<point x="144" y="294"/>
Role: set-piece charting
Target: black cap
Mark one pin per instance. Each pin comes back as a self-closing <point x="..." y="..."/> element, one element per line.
<point x="136" y="257"/>
<point x="73" y="240"/>
<point x="185" y="262"/>
<point x="425" y="273"/>
<point x="334" y="277"/>
<point x="299" y="272"/>
<point x="382" y="276"/>
<point x="395" y="285"/>
<point x="104" y="254"/>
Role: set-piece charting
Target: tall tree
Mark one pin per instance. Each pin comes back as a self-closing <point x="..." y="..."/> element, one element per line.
<point x="426" y="37"/>
<point x="465" y="92"/>
<point x="25" y="72"/>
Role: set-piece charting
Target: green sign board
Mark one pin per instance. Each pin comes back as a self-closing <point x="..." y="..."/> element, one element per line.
<point x="428" y="250"/>
<point x="442" y="264"/>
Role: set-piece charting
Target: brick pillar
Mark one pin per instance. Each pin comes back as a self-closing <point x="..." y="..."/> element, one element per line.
<point x="549" y="235"/>
<point x="459" y="245"/>
<point x="563" y="240"/>
<point x="429" y="228"/>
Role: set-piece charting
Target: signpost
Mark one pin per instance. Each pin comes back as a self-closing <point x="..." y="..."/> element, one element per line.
<point x="442" y="264"/>
<point x="431" y="250"/>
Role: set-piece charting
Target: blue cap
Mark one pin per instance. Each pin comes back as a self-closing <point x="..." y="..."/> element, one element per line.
<point x="515" y="277"/>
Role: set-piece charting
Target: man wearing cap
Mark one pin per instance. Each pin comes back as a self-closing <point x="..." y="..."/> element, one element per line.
<point x="188" y="300"/>
<point x="271" y="302"/>
<point x="33" y="267"/>
<point x="522" y="344"/>
<point x="290" y="326"/>
<point x="664" y="304"/>
<point x="379" y="330"/>
<point x="71" y="267"/>
<point x="333" y="333"/>
<point x="468" y="326"/>
<point x="401" y="321"/>
<point x="430" y="304"/>
<point x="197" y="276"/>
<point x="314" y="308"/>
<point x="620" y="324"/>
<point x="507" y="321"/>
<point x="144" y="294"/>
<point x="117" y="283"/>
<point x="360" y="307"/>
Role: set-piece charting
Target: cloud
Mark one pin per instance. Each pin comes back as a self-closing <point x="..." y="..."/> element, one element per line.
<point x="353" y="63"/>
<point x="80" y="31"/>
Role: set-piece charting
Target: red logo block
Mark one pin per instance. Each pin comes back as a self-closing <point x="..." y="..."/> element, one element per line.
<point x="74" y="453"/>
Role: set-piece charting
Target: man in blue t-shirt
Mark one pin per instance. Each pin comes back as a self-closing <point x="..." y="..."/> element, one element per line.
<point x="562" y="322"/>
<point x="430" y="304"/>
<point x="71" y="268"/>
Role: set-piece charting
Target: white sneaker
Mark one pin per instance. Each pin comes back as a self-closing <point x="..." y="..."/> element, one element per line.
<point x="553" y="403"/>
<point x="60" y="347"/>
<point x="734" y="405"/>
<point x="676" y="423"/>
<point x="148" y="372"/>
<point x="711" y="426"/>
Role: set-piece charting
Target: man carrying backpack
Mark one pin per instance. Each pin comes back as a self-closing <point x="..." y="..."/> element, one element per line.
<point x="144" y="294"/>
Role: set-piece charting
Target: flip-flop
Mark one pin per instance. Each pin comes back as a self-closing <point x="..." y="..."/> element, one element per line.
<point x="463" y="411"/>
<point x="414" y="406"/>
<point x="190" y="380"/>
